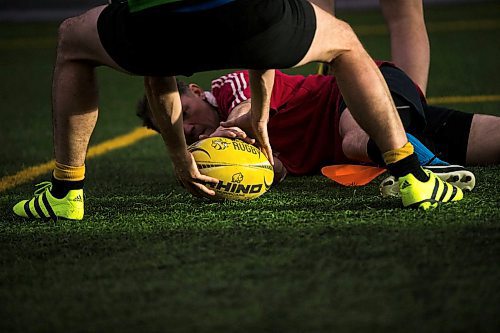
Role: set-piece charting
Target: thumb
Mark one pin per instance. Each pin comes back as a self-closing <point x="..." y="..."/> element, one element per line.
<point x="228" y="123"/>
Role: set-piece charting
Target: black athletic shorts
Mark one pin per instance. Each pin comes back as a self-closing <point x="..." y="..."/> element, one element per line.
<point x="444" y="131"/>
<point x="251" y="34"/>
<point x="409" y="103"/>
<point x="447" y="133"/>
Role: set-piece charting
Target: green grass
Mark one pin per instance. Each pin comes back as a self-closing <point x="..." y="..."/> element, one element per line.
<point x="309" y="256"/>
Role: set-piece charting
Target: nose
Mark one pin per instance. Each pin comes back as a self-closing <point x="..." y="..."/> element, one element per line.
<point x="189" y="130"/>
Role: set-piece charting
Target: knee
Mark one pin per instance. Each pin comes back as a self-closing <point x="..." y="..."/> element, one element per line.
<point x="66" y="39"/>
<point x="63" y="33"/>
<point x="349" y="147"/>
<point x="354" y="145"/>
<point x="349" y="38"/>
<point x="347" y="131"/>
<point x="348" y="42"/>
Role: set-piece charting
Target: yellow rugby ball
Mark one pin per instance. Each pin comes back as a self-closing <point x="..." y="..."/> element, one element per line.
<point x="243" y="171"/>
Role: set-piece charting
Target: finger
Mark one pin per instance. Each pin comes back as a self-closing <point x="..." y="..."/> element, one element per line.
<point x="232" y="128"/>
<point x="241" y="133"/>
<point x="206" y="179"/>
<point x="198" y="190"/>
<point x="201" y="182"/>
<point x="225" y="134"/>
<point x="245" y="138"/>
<point x="238" y="132"/>
<point x="190" y="188"/>
<point x="263" y="141"/>
<point x="269" y="154"/>
<point x="249" y="140"/>
<point x="203" y="190"/>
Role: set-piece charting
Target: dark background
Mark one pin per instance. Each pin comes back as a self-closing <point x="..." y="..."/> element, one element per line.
<point x="48" y="10"/>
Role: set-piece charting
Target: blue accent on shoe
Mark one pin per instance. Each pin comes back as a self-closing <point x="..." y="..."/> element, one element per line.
<point x="425" y="156"/>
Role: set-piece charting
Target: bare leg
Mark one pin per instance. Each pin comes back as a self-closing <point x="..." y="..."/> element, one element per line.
<point x="483" y="147"/>
<point x="74" y="87"/>
<point x="409" y="40"/>
<point x="484" y="140"/>
<point x="360" y="81"/>
<point x="354" y="139"/>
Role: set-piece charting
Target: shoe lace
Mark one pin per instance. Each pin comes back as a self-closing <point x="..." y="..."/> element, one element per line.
<point x="42" y="187"/>
<point x="438" y="156"/>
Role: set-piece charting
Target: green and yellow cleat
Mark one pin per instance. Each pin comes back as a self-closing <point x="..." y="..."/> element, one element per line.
<point x="44" y="206"/>
<point x="429" y="194"/>
<point x="456" y="175"/>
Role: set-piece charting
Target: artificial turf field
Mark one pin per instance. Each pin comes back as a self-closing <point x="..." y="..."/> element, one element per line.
<point x="308" y="256"/>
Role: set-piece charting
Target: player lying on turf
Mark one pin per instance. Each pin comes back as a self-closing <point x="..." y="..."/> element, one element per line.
<point x="310" y="125"/>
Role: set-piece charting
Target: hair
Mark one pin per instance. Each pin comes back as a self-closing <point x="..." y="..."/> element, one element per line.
<point x="143" y="110"/>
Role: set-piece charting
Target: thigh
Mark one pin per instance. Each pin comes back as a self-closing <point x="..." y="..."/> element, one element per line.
<point x="79" y="39"/>
<point x="484" y="140"/>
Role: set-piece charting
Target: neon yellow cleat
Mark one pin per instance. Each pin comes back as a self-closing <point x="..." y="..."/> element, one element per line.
<point x="454" y="174"/>
<point x="44" y="206"/>
<point x="427" y="195"/>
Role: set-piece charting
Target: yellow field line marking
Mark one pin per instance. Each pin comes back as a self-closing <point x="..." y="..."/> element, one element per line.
<point x="366" y="30"/>
<point x="463" y="99"/>
<point x="31" y="173"/>
<point x="140" y="133"/>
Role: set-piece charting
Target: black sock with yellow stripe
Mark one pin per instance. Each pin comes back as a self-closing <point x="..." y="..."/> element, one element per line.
<point x="66" y="178"/>
<point x="403" y="161"/>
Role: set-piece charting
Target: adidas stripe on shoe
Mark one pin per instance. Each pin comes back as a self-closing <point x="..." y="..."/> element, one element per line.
<point x="45" y="206"/>
<point x="454" y="174"/>
<point x="428" y="194"/>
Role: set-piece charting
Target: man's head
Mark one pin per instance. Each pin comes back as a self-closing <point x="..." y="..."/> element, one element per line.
<point x="199" y="116"/>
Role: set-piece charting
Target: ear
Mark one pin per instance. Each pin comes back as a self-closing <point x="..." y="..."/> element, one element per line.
<point x="197" y="90"/>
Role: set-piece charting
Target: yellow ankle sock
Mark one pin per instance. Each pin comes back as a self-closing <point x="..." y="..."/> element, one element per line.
<point x="395" y="155"/>
<point x="68" y="172"/>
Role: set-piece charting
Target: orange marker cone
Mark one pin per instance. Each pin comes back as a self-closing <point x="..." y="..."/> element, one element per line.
<point x="352" y="174"/>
